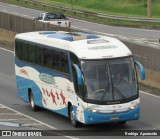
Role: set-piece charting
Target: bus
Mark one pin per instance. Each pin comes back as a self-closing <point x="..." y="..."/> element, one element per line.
<point x="89" y="78"/>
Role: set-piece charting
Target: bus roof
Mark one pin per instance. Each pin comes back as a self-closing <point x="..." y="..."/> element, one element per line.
<point x="84" y="45"/>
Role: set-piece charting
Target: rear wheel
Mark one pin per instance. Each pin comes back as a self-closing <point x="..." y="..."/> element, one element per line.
<point x="72" y="117"/>
<point x="32" y="103"/>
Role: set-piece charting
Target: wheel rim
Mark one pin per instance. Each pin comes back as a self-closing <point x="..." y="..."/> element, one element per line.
<point x="32" y="102"/>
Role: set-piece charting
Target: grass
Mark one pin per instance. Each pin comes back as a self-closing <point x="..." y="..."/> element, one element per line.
<point x="6" y="44"/>
<point x="116" y="7"/>
<point x="127" y="8"/>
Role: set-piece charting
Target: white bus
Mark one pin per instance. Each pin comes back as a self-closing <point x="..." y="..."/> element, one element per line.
<point x="86" y="77"/>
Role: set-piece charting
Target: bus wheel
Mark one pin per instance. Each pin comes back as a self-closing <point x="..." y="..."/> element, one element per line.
<point x="31" y="100"/>
<point x="72" y="117"/>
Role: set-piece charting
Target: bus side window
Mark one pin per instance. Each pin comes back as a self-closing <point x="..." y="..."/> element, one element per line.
<point x="39" y="54"/>
<point x="47" y="58"/>
<point x="64" y="62"/>
<point x="24" y="51"/>
<point x="56" y="60"/>
<point x="31" y="53"/>
<point x="18" y="49"/>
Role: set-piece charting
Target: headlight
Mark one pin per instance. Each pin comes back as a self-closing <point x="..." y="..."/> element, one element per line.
<point x="134" y="107"/>
<point x="93" y="110"/>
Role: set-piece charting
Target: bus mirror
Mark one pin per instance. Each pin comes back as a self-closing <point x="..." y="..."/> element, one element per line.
<point x="79" y="74"/>
<point x="142" y="70"/>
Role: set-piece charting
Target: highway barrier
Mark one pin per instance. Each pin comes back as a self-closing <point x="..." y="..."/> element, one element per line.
<point x="148" y="56"/>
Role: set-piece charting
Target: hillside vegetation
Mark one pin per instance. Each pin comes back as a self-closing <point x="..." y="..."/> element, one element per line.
<point x="116" y="7"/>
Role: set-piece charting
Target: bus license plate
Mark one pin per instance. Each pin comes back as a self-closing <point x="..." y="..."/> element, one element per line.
<point x="114" y="118"/>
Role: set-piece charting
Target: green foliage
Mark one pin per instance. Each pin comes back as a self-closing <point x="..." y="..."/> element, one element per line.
<point x="115" y="7"/>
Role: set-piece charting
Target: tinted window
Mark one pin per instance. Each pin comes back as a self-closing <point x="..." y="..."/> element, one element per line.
<point x="18" y="49"/>
<point x="47" y="58"/>
<point x="64" y="62"/>
<point x="30" y="53"/>
<point x="39" y="54"/>
<point x="42" y="56"/>
<point x="56" y="60"/>
<point x="24" y="51"/>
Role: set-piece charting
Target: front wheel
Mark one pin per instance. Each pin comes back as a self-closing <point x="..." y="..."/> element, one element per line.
<point x="72" y="118"/>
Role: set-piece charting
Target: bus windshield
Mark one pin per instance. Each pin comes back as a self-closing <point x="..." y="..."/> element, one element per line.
<point x="109" y="81"/>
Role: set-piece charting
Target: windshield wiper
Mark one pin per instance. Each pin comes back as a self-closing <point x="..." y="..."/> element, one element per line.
<point x="121" y="94"/>
<point x="107" y="89"/>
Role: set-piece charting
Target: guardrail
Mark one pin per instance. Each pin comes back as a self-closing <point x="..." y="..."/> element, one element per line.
<point x="153" y="20"/>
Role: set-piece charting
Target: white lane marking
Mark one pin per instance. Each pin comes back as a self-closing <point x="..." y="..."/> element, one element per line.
<point x="6" y="50"/>
<point x="137" y="40"/>
<point x="34" y="10"/>
<point x="5" y="75"/>
<point x="29" y="117"/>
<point x="20" y="14"/>
<point x="9" y="114"/>
<point x="21" y="7"/>
<point x="32" y="124"/>
<point x="5" y="11"/>
<point x="149" y="94"/>
<point x="116" y="26"/>
<point x="42" y="123"/>
<point x="3" y="120"/>
<point x="107" y="34"/>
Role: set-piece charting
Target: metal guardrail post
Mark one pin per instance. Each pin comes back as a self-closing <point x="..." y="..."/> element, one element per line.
<point x="15" y="23"/>
<point x="2" y="20"/>
<point x="9" y="22"/>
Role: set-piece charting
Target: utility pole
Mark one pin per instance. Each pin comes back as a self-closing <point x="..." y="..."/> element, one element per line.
<point x="149" y="15"/>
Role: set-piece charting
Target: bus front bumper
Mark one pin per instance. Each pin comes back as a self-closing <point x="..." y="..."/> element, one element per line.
<point x="92" y="118"/>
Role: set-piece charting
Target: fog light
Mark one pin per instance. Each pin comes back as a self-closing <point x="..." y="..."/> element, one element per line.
<point x="136" y="115"/>
<point x="94" y="111"/>
<point x="90" y="118"/>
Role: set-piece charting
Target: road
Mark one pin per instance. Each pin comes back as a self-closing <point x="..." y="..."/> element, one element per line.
<point x="150" y="105"/>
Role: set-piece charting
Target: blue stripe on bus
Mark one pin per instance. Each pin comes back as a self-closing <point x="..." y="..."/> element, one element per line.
<point x="24" y="84"/>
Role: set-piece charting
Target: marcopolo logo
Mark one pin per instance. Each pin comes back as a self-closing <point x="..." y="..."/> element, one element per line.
<point x="46" y="78"/>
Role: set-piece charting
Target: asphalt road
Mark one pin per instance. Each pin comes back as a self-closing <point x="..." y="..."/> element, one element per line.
<point x="150" y="105"/>
<point x="83" y="25"/>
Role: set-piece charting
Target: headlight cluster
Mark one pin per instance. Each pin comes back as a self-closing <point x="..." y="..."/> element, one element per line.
<point x="93" y="110"/>
<point x="134" y="107"/>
